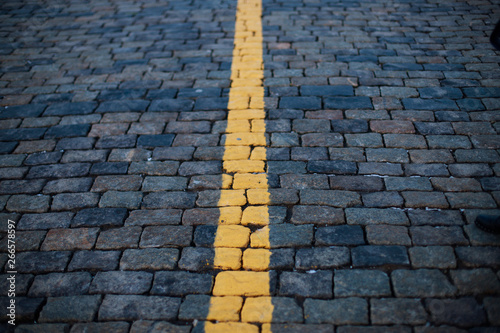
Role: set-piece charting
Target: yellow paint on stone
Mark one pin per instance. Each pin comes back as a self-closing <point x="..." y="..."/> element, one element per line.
<point x="258" y="197"/>
<point x="260" y="238"/>
<point x="245" y="139"/>
<point x="259" y="153"/>
<point x="257" y="215"/>
<point x="236" y="153"/>
<point x="256" y="259"/>
<point x="242" y="283"/>
<point x="245" y="131"/>
<point x="229" y="215"/>
<point x="239" y="103"/>
<point x="232" y="198"/>
<point x="246" y="114"/>
<point x="258" y="126"/>
<point x="243" y="166"/>
<point x="227" y="258"/>
<point x="225" y="308"/>
<point x="257" y="310"/>
<point x="238" y="126"/>
<point x="231" y="236"/>
<point x="246" y="181"/>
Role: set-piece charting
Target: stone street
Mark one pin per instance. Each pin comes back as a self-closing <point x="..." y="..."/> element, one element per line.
<point x="249" y="166"/>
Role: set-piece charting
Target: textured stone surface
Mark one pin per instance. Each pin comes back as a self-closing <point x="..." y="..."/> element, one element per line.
<point x="379" y="146"/>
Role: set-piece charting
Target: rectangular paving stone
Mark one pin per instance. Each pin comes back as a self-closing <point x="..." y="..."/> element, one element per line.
<point x="69" y="201"/>
<point x="152" y="184"/>
<point x="99" y="217"/>
<point x="154" y="168"/>
<point x="117" y="199"/>
<point x="339" y="235"/>
<point x="68" y="185"/>
<point x="429" y="104"/>
<point x="22" y="111"/>
<point x="379" y="255"/>
<point x="118" y="282"/>
<point x="429" y="217"/>
<point x="302" y="214"/>
<point x="421" y="283"/>
<point x="70" y="309"/>
<point x="159" y="140"/>
<point x="441" y="257"/>
<point x="181" y="283"/>
<point x="322" y="258"/>
<point x="462" y="312"/>
<point x="332" y="167"/>
<point x="118" y="183"/>
<point x="116" y="141"/>
<point x="173" y="153"/>
<point x="94" y="261"/>
<point x="315" y="284"/>
<point x="165" y="236"/>
<point x="135" y="307"/>
<point x="66" y="108"/>
<point x="149" y="259"/>
<point x="45" y="221"/>
<point x="115" y="327"/>
<point x="361" y="283"/>
<point x="480" y="256"/>
<point x="160" y="200"/>
<point x="65" y="131"/>
<point x="397" y="311"/>
<point x="329" y="198"/>
<point x="70" y="239"/>
<point x="477" y="281"/>
<point x="68" y="170"/>
<point x="304" y="181"/>
<point x="342" y="311"/>
<point x="428" y="235"/>
<point x="154" y="217"/>
<point x="28" y="203"/>
<point x="17" y="134"/>
<point x="119" y="238"/>
<point x="336" y="103"/>
<point x="43" y="158"/>
<point x="42" y="262"/>
<point x="60" y="284"/>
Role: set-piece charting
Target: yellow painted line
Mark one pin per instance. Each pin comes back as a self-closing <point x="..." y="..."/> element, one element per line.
<point x="241" y="295"/>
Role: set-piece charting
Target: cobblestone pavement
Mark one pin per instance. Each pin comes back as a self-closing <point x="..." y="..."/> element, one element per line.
<point x="379" y="147"/>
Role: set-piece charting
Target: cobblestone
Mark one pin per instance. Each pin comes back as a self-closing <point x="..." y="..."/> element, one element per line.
<point x="378" y="147"/>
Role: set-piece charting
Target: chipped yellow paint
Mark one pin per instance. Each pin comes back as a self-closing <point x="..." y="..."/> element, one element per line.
<point x="259" y="153"/>
<point x="260" y="238"/>
<point x="245" y="142"/>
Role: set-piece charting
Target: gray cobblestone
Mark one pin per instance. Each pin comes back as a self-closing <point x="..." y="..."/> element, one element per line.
<point x="350" y="311"/>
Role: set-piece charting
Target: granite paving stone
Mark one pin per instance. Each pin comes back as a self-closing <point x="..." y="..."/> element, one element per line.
<point x="380" y="147"/>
